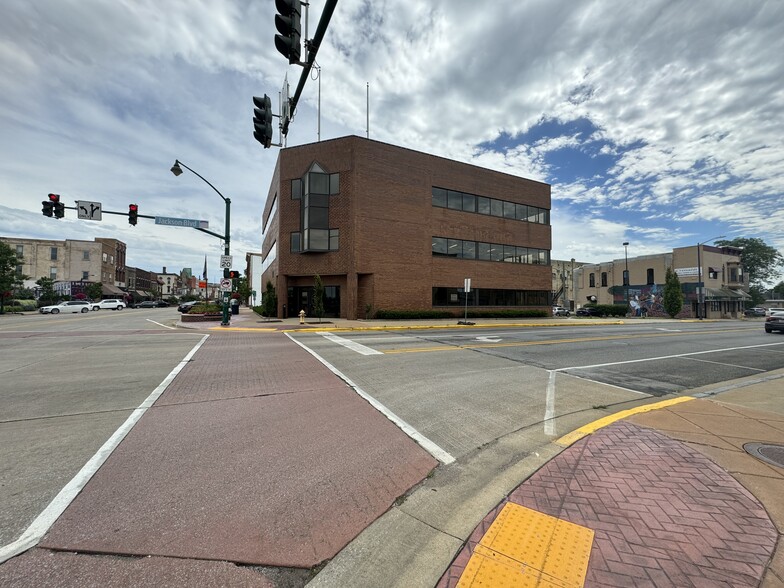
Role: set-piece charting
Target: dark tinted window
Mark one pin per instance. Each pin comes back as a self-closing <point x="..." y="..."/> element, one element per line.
<point x="439" y="197"/>
<point x="454" y="200"/>
<point x="496" y="207"/>
<point x="439" y="246"/>
<point x="482" y="205"/>
<point x="469" y="203"/>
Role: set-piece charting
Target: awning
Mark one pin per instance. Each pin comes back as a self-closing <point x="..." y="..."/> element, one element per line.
<point x="110" y="289"/>
<point x="725" y="294"/>
<point x="140" y="293"/>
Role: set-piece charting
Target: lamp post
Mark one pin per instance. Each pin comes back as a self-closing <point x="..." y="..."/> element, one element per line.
<point x="700" y="289"/>
<point x="626" y="272"/>
<point x="177" y="170"/>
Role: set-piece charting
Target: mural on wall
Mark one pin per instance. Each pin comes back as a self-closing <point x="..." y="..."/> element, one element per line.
<point x="648" y="300"/>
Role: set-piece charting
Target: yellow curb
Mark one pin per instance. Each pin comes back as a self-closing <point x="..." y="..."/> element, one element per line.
<point x="577" y="434"/>
<point x="241" y="329"/>
<point x="476" y="326"/>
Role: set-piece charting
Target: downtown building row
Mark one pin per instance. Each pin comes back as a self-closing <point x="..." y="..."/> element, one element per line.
<point x="388" y="228"/>
<point x="74" y="264"/>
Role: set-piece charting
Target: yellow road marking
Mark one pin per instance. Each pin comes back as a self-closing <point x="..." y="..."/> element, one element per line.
<point x="447" y="347"/>
<point x="578" y="434"/>
<point x="248" y="329"/>
<point x="524" y="547"/>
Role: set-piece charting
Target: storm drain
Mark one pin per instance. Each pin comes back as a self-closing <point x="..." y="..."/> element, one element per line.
<point x="772" y="454"/>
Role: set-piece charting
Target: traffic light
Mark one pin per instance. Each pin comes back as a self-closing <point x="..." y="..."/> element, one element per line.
<point x="262" y="120"/>
<point x="54" y="206"/>
<point x="234" y="274"/>
<point x="288" y="24"/>
<point x="133" y="214"/>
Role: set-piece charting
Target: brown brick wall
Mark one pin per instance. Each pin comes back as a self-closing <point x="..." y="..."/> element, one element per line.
<point x="386" y="221"/>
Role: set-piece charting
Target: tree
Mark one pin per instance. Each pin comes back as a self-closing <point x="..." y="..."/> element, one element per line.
<point x="94" y="290"/>
<point x="761" y="262"/>
<point x="48" y="294"/>
<point x="673" y="295"/>
<point x="243" y="288"/>
<point x="318" y="297"/>
<point x="778" y="290"/>
<point x="269" y="302"/>
<point x="9" y="278"/>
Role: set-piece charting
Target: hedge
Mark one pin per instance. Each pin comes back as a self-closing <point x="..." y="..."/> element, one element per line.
<point x="445" y="314"/>
<point x="610" y="309"/>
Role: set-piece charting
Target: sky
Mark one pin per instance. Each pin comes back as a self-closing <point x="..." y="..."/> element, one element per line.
<point x="657" y="123"/>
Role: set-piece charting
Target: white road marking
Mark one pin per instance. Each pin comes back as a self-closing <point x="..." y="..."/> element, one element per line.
<point x="426" y="444"/>
<point x="669" y="330"/>
<point x="157" y="323"/>
<point x="348" y="343"/>
<point x="489" y="339"/>
<point x="52" y="512"/>
<point x="596" y="365"/>
<point x="549" y="412"/>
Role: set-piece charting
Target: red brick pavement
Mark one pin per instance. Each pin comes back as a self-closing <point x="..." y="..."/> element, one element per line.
<point x="663" y="514"/>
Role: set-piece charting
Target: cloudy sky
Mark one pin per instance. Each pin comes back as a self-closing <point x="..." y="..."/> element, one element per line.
<point x="660" y="123"/>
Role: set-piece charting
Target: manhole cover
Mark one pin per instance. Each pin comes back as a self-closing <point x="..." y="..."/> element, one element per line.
<point x="772" y="454"/>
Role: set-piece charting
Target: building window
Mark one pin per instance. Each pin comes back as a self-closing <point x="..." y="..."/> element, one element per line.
<point x="105" y="258"/>
<point x="649" y="276"/>
<point x="458" y="248"/>
<point x="455" y="200"/>
<point x="85" y="255"/>
<point x="85" y="275"/>
<point x="604" y="278"/>
<point x="53" y="254"/>
<point x="296" y="189"/>
<point x="490" y="297"/>
<point x="334" y="239"/>
<point x="20" y="250"/>
<point x="591" y="280"/>
<point x="296" y="242"/>
<point x="18" y="270"/>
<point x="52" y="273"/>
<point x="713" y="273"/>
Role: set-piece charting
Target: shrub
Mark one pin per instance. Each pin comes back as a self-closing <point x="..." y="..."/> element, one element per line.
<point x="206" y="309"/>
<point x="610" y="309"/>
<point x="446" y="314"/>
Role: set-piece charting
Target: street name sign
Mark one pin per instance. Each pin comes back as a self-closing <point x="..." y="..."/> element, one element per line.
<point x="182" y="222"/>
<point x="87" y="210"/>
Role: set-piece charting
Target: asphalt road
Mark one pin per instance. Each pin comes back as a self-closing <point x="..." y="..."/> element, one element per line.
<point x="463" y="388"/>
<point x="67" y="382"/>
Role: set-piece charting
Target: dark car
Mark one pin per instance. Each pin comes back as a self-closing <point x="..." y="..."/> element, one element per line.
<point x="775" y="322"/>
<point x="186" y="306"/>
<point x="587" y="311"/>
<point x="754" y="311"/>
<point x="161" y="303"/>
<point x="145" y="304"/>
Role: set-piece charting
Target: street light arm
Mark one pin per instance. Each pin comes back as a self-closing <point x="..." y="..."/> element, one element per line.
<point x="178" y="162"/>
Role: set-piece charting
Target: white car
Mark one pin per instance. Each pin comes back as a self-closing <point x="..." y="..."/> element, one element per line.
<point x="560" y="311"/>
<point x="111" y="304"/>
<point x="69" y="306"/>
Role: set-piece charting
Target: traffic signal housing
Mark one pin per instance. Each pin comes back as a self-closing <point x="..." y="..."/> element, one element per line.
<point x="133" y="214"/>
<point x="262" y="120"/>
<point x="54" y="206"/>
<point x="234" y="274"/>
<point x="287" y="21"/>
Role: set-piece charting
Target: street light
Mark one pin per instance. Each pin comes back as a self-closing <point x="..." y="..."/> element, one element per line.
<point x="626" y="272"/>
<point x="177" y="170"/>
<point x="700" y="289"/>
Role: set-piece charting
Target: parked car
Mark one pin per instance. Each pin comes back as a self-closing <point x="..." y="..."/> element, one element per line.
<point x="560" y="311"/>
<point x="145" y="304"/>
<point x="161" y="303"/>
<point x="587" y="311"/>
<point x="69" y="306"/>
<point x="756" y="311"/>
<point x="772" y="311"/>
<point x="774" y="322"/>
<point x="186" y="306"/>
<point x="111" y="304"/>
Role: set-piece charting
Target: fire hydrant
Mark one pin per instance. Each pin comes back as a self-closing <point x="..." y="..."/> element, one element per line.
<point x="302" y="317"/>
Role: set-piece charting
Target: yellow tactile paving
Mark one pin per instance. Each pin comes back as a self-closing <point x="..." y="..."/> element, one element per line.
<point x="594" y="426"/>
<point x="527" y="548"/>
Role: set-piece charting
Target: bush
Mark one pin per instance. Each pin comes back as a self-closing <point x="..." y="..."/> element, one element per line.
<point x="610" y="309"/>
<point x="445" y="314"/>
<point x="206" y="309"/>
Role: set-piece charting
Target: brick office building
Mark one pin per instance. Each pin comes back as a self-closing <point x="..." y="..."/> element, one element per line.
<point x="394" y="229"/>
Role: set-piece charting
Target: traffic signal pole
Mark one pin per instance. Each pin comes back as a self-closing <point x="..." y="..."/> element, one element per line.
<point x="312" y="48"/>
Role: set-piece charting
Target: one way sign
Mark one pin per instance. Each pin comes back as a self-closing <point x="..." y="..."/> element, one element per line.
<point x="88" y="210"/>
